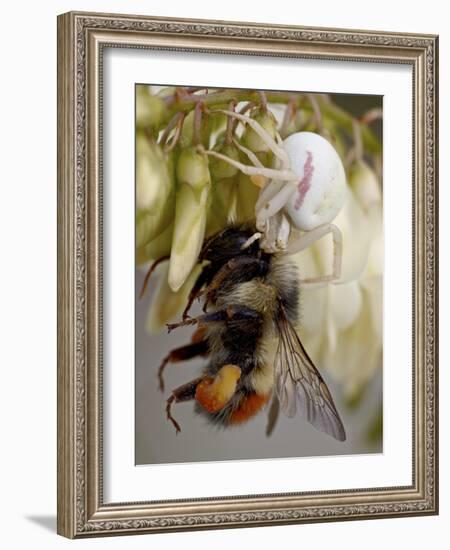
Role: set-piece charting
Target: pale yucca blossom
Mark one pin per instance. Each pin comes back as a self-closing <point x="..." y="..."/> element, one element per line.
<point x="192" y="197"/>
<point x="155" y="200"/>
<point x="341" y="324"/>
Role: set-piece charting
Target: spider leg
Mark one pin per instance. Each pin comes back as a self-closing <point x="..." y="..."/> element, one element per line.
<point x="255" y="237"/>
<point x="272" y="188"/>
<point x="308" y="238"/>
<point x="276" y="233"/>
<point x="268" y="192"/>
<point x="283" y="232"/>
<point x="254" y="170"/>
<point x="250" y="154"/>
<point x="259" y="181"/>
<point x="278" y="151"/>
<point x="273" y="201"/>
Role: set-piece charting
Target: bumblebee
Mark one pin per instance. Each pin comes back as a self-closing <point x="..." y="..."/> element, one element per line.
<point x="250" y="308"/>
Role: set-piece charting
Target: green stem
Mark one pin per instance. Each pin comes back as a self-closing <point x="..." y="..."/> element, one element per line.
<point x="345" y="121"/>
<point x="187" y="102"/>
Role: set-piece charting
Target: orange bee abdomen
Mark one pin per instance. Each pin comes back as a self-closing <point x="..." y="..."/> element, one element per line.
<point x="248" y="407"/>
<point x="214" y="393"/>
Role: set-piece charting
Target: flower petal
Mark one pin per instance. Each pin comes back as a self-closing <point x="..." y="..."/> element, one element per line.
<point x="365" y="184"/>
<point x="345" y="304"/>
<point x="153" y="175"/>
<point x="375" y="261"/>
<point x="157" y="248"/>
<point x="312" y="308"/>
<point x="247" y="195"/>
<point x="307" y="264"/>
<point x="355" y="227"/>
<point x="189" y="232"/>
<point x="223" y="204"/>
<point x="358" y="352"/>
<point x="374" y="289"/>
<point x="150" y="226"/>
<point x="150" y="109"/>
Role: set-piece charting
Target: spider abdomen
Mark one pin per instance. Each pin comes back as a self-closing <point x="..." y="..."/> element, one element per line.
<point x="321" y="187"/>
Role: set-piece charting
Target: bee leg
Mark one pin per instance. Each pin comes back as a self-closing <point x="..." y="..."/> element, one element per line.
<point x="182" y="353"/>
<point x="231" y="313"/>
<point x="186" y="392"/>
<point x="196" y="290"/>
<point x="220" y="315"/>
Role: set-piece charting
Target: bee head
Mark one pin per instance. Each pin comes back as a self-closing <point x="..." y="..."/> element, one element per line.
<point x="228" y="244"/>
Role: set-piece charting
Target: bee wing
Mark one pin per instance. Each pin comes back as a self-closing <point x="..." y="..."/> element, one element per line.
<point x="273" y="414"/>
<point x="300" y="385"/>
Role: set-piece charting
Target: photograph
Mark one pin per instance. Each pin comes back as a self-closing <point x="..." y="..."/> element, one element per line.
<point x="259" y="256"/>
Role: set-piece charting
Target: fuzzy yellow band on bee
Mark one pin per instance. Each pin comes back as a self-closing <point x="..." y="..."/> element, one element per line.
<point x="214" y="393"/>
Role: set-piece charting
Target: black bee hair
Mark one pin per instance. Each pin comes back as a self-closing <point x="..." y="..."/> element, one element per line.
<point x="228" y="243"/>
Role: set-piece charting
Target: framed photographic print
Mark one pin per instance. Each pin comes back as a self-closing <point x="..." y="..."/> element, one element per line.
<point x="247" y="284"/>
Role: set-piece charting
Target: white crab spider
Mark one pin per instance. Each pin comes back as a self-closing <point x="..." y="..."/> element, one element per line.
<point x="305" y="191"/>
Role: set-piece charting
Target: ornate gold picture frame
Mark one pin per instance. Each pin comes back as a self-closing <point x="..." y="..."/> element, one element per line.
<point x="82" y="40"/>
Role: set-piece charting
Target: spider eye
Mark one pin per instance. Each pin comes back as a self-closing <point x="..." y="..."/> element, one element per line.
<point x="321" y="187"/>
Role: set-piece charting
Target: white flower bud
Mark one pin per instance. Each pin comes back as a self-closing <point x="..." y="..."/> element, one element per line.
<point x="221" y="169"/>
<point x="247" y="195"/>
<point x="150" y="109"/>
<point x="187" y="133"/>
<point x="365" y="184"/>
<point x="158" y="247"/>
<point x="192" y="168"/>
<point x="153" y="180"/>
<point x="155" y="191"/>
<point x="192" y="203"/>
<point x="346" y="303"/>
<point x="222" y="205"/>
<point x="251" y="139"/>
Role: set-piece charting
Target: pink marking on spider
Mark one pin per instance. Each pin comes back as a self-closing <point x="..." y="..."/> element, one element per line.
<point x="304" y="184"/>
